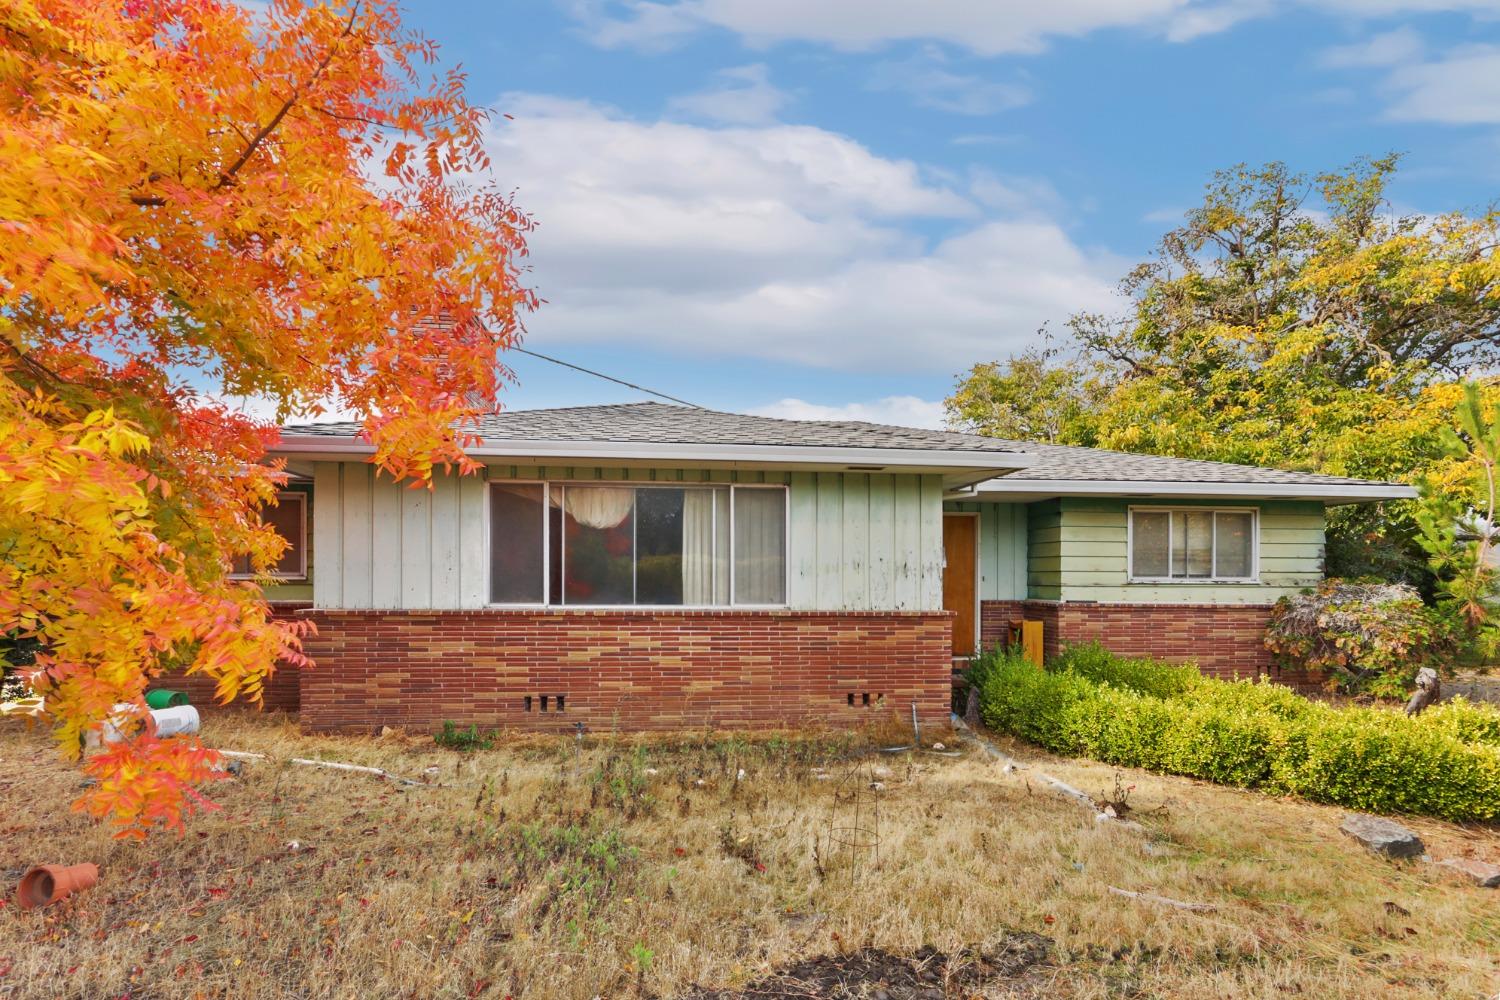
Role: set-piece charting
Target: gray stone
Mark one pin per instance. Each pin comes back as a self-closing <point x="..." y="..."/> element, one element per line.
<point x="1383" y="836"/>
<point x="1481" y="873"/>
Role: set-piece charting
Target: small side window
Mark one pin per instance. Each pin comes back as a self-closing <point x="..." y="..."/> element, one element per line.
<point x="289" y="519"/>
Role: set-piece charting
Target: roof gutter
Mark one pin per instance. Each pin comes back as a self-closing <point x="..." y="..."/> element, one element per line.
<point x="1329" y="493"/>
<point x="329" y="446"/>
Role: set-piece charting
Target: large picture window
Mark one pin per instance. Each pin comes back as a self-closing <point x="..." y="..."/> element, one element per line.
<point x="1192" y="544"/>
<point x="616" y="545"/>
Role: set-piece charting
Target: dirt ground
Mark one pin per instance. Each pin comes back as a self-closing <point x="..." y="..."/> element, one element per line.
<point x="719" y="867"/>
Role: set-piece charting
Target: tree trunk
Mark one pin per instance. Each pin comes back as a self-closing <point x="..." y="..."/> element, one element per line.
<point x="1428" y="689"/>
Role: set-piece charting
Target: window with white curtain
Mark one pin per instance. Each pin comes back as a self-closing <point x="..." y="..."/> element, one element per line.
<point x="1193" y="544"/>
<point x="611" y="544"/>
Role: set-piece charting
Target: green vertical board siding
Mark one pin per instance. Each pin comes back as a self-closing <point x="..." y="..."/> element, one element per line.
<point x="830" y="542"/>
<point x="882" y="556"/>
<point x="907" y="578"/>
<point x="1077" y="551"/>
<point x="473" y="552"/>
<point x="445" y="542"/>
<point x="1002" y="548"/>
<point x="802" y="540"/>
<point x="386" y="532"/>
<point x="856" y="541"/>
<point x="328" y="535"/>
<point x="856" y="569"/>
<point x="359" y="564"/>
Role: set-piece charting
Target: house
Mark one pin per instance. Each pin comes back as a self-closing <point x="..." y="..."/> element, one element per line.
<point x="648" y="566"/>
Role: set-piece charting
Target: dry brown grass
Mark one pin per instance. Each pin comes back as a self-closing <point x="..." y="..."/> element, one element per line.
<point x="468" y="890"/>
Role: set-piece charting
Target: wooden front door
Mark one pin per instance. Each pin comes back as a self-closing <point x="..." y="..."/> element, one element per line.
<point x="960" y="549"/>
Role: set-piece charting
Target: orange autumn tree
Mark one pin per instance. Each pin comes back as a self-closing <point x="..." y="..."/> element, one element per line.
<point x="198" y="201"/>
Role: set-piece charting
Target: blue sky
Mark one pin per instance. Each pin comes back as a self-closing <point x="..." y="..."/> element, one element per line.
<point x="831" y="207"/>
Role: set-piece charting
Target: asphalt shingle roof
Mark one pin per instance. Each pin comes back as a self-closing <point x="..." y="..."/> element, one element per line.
<point x="659" y="423"/>
<point x="1064" y="462"/>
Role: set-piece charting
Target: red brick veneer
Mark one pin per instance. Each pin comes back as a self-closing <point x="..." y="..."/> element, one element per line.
<point x="282" y="692"/>
<point x="1225" y="640"/>
<point x="623" y="669"/>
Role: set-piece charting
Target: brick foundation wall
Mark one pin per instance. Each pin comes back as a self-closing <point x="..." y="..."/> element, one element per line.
<point x="624" y="669"/>
<point x="282" y="692"/>
<point x="1225" y="640"/>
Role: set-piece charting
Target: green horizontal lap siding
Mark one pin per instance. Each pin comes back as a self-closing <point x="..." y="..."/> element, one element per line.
<point x="1003" y="547"/>
<point x="1076" y="551"/>
<point x="855" y="541"/>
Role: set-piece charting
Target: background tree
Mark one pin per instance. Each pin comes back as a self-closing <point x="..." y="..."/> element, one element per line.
<point x="196" y="201"/>
<point x="1287" y="322"/>
<point x="1458" y="537"/>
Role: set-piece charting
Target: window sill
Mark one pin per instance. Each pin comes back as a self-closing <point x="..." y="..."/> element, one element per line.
<point x="1146" y="581"/>
<point x="638" y="607"/>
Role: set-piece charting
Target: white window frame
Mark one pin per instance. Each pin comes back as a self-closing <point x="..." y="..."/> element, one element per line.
<point x="1253" y="578"/>
<point x="301" y="573"/>
<point x="547" y="484"/>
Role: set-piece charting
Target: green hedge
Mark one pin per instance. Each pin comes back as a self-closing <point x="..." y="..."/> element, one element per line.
<point x="1142" y="713"/>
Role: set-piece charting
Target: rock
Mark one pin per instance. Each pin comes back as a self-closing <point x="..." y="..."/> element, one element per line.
<point x="1481" y="873"/>
<point x="1383" y="836"/>
<point x="877" y="786"/>
<point x="939" y="746"/>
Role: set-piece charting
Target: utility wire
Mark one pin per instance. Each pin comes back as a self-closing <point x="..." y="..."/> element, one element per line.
<point x="611" y="378"/>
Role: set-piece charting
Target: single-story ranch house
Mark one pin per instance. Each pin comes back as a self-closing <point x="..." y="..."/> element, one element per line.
<point x="648" y="566"/>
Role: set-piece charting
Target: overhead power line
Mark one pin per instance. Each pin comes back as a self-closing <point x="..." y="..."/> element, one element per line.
<point x="609" y="378"/>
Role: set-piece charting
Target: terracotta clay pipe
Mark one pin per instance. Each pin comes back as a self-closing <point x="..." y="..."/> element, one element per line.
<point x="44" y="885"/>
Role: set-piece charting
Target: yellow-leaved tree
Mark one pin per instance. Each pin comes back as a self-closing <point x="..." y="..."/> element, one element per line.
<point x="200" y="201"/>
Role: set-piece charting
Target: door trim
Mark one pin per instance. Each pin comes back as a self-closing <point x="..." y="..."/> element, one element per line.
<point x="978" y="599"/>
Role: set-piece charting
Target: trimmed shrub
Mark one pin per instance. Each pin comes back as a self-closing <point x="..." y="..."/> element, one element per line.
<point x="1249" y="734"/>
<point x="1464" y="721"/>
<point x="1142" y="675"/>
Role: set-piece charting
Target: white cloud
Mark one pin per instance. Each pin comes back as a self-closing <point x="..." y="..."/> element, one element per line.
<point x="781" y="242"/>
<point x="1165" y="216"/>
<point x="1201" y="20"/>
<point x="1389" y="49"/>
<point x="903" y="411"/>
<point x="745" y="96"/>
<point x="263" y="409"/>
<point x="988" y="139"/>
<point x="1021" y="197"/>
<point x="931" y="84"/>
<point x="1461" y="88"/>
<point x="991" y="28"/>
<point x="986" y="28"/>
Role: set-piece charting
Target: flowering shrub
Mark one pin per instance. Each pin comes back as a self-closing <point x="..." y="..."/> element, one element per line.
<point x="1366" y="636"/>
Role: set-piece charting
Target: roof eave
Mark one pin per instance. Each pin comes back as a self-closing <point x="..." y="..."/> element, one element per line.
<point x="1329" y="494"/>
<point x="341" y="448"/>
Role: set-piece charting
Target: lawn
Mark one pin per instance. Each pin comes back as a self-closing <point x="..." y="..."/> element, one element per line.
<point x="545" y="868"/>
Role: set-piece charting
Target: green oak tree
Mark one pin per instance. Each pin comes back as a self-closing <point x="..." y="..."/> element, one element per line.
<point x="1289" y="321"/>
